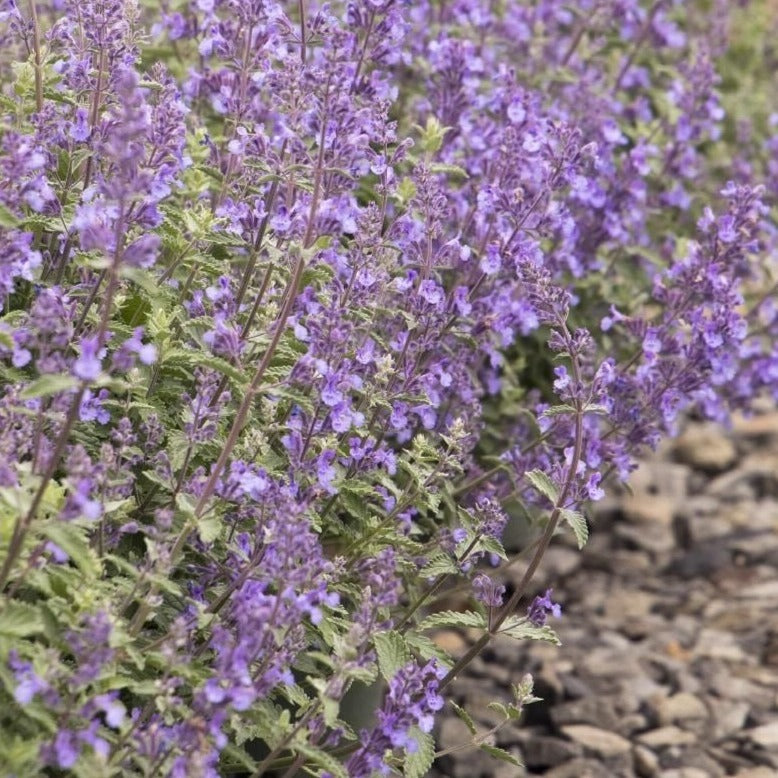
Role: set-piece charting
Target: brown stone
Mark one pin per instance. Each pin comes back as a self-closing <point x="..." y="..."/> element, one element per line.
<point x="678" y="707"/>
<point x="599" y="741"/>
<point x="765" y="736"/>
<point x="667" y="736"/>
<point x="706" y="447"/>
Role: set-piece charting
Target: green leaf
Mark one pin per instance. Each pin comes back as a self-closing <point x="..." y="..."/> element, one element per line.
<point x="46" y="385"/>
<point x="185" y="504"/>
<point x="355" y="503"/>
<point x="71" y="538"/>
<point x="543" y="484"/>
<point x="209" y="529"/>
<point x="556" y="410"/>
<point x="7" y="219"/>
<point x="577" y="522"/>
<point x="406" y="190"/>
<point x="596" y="408"/>
<point x="392" y="653"/>
<point x="418" y="762"/>
<point x="19" y="755"/>
<point x="427" y="649"/>
<point x="194" y="359"/>
<point x="465" y="716"/>
<point x="233" y="755"/>
<point x="20" y="619"/>
<point x="452" y="170"/>
<point x="498" y="707"/>
<point x="320" y="757"/>
<point x="432" y="135"/>
<point x="462" y="619"/>
<point x="492" y="546"/>
<point x="501" y="754"/>
<point x="519" y="628"/>
<point x="439" y="564"/>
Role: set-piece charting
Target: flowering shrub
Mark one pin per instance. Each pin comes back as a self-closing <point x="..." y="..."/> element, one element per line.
<point x="300" y="305"/>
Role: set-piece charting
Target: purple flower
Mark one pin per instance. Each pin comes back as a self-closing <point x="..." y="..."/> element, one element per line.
<point x="79" y="502"/>
<point x="326" y="472"/>
<point x="431" y="292"/>
<point x="142" y="252"/>
<point x="113" y="709"/>
<point x="87" y="366"/>
<point x="28" y="682"/>
<point x="65" y="749"/>
<point x="593" y="488"/>
<point x="488" y="591"/>
<point x="79" y="129"/>
<point x="541" y="607"/>
<point x="91" y="408"/>
<point x="412" y="699"/>
<point x="491" y="262"/>
<point x="91" y="647"/>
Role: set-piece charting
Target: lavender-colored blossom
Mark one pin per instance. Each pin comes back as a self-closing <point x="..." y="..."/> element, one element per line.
<point x="541" y="607"/>
<point x="28" y="683"/>
<point x="412" y="699"/>
<point x="318" y="271"/>
<point x="488" y="591"/>
<point x="88" y="365"/>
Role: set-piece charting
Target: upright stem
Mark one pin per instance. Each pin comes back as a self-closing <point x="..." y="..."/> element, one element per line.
<point x="363" y="51"/>
<point x="269" y="203"/>
<point x="36" y="44"/>
<point x="308" y="239"/>
<point x="510" y="606"/>
<point x="93" y="117"/>
<point x="301" y="5"/>
<point x="269" y="761"/>
<point x="23" y="522"/>
<point x="638" y="44"/>
<point x="234" y="433"/>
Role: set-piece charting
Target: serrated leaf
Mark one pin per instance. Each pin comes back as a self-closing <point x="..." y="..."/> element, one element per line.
<point x="418" y="762"/>
<point x="427" y="649"/>
<point x="392" y="653"/>
<point x="501" y="754"/>
<point x="499" y="708"/>
<point x="543" y="484"/>
<point x="330" y="706"/>
<point x="462" y="619"/>
<point x="355" y="504"/>
<point x="577" y="522"/>
<point x="556" y="410"/>
<point x="194" y="359"/>
<point x="519" y="628"/>
<point x="209" y="529"/>
<point x="20" y="619"/>
<point x="8" y="219"/>
<point x="465" y="716"/>
<point x="320" y="757"/>
<point x="71" y="538"/>
<point x="439" y="564"/>
<point x="453" y="170"/>
<point x="596" y="408"/>
<point x="232" y="755"/>
<point x="46" y="385"/>
<point x="185" y="503"/>
<point x="492" y="546"/>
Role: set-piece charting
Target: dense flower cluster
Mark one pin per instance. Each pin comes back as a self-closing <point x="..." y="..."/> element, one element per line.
<point x="303" y="304"/>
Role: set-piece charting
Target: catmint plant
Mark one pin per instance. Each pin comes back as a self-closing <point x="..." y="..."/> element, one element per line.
<point x="301" y="306"/>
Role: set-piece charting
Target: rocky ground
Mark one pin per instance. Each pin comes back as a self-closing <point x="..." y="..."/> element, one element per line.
<point x="669" y="662"/>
